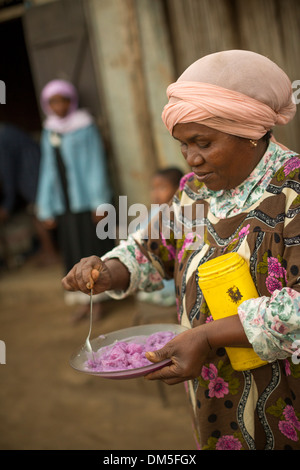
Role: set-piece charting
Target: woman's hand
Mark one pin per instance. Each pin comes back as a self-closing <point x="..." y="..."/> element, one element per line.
<point x="190" y="349"/>
<point x="93" y="273"/>
<point x="89" y="273"/>
<point x="188" y="352"/>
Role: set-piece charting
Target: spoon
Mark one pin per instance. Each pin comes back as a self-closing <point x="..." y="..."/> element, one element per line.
<point x="88" y="346"/>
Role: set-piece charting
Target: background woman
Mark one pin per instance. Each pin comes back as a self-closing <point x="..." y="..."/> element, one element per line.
<point x="73" y="179"/>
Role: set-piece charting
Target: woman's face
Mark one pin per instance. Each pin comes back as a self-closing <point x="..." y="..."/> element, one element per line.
<point x="219" y="160"/>
<point x="60" y="105"/>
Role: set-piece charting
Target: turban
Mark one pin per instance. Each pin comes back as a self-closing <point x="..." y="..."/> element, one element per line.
<point x="59" y="87"/>
<point x="238" y="92"/>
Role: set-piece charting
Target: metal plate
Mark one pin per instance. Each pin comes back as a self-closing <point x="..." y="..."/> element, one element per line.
<point x="79" y="358"/>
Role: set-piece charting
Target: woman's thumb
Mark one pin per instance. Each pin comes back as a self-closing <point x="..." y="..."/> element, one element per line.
<point x="157" y="356"/>
<point x="95" y="274"/>
<point x="93" y="278"/>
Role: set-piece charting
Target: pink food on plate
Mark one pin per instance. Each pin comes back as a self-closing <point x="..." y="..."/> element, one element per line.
<point x="124" y="355"/>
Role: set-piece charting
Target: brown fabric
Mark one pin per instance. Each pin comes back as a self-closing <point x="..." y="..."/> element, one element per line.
<point x="273" y="231"/>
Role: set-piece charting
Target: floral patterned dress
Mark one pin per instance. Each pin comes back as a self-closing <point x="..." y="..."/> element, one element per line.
<point x="254" y="409"/>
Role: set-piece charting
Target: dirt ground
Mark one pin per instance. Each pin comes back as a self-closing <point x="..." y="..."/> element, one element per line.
<point x="47" y="405"/>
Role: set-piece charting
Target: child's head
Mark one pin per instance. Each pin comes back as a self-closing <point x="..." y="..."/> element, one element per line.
<point x="59" y="97"/>
<point x="164" y="184"/>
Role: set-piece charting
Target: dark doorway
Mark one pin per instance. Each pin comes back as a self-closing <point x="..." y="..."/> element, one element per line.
<point x="21" y="108"/>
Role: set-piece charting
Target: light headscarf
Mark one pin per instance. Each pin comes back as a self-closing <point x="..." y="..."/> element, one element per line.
<point x="62" y="88"/>
<point x="238" y="92"/>
<point x="75" y="119"/>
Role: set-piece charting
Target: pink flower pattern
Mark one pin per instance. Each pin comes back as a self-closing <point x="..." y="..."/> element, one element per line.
<point x="275" y="268"/>
<point x="209" y="319"/>
<point x="242" y="234"/>
<point x="288" y="430"/>
<point x="278" y="326"/>
<point x="140" y="257"/>
<point x="155" y="277"/>
<point x="273" y="284"/>
<point x="184" y="179"/>
<point x="290" y="416"/>
<point x="228" y="443"/>
<point x="217" y="387"/>
<point x="189" y="240"/>
<point x="244" y="231"/>
<point x="277" y="275"/>
<point x="289" y="424"/>
<point x="170" y="248"/>
<point x="291" y="165"/>
<point x="209" y="373"/>
<point x="287" y="367"/>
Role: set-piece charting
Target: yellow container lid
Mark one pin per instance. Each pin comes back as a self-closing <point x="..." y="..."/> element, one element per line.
<point x="220" y="266"/>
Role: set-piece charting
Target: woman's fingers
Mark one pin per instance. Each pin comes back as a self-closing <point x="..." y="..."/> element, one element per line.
<point x="188" y="352"/>
<point x="168" y="374"/>
<point x="68" y="284"/>
<point x="82" y="274"/>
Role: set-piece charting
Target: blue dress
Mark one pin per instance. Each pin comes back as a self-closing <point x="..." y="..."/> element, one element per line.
<point x="73" y="182"/>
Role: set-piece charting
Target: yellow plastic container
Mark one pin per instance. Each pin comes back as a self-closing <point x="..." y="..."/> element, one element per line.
<point x="226" y="282"/>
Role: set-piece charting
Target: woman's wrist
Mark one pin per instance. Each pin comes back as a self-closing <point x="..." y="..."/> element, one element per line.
<point x="119" y="274"/>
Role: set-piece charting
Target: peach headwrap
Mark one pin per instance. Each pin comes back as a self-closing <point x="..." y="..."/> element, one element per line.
<point x="237" y="92"/>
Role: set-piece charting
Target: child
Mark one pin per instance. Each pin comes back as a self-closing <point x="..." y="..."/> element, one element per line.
<point x="73" y="178"/>
<point x="164" y="184"/>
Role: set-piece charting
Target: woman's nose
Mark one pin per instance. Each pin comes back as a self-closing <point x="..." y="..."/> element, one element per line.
<point x="192" y="156"/>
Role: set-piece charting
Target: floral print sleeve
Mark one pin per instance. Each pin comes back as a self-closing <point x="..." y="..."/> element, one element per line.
<point x="272" y="324"/>
<point x="143" y="274"/>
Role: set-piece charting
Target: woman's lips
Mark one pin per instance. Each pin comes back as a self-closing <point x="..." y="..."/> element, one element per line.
<point x="203" y="176"/>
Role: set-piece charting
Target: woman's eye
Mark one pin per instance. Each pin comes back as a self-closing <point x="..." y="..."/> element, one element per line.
<point x="203" y="145"/>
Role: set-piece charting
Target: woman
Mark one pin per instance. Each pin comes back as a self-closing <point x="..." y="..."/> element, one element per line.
<point x="73" y="179"/>
<point x="222" y="110"/>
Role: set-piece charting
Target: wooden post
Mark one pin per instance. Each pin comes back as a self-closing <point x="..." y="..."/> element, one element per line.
<point x="159" y="73"/>
<point x="118" y="55"/>
<point x="132" y="55"/>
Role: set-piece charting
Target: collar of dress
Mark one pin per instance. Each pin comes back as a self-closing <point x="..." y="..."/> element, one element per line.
<point x="231" y="202"/>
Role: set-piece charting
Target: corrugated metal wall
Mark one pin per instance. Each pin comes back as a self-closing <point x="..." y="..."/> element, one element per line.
<point x="141" y="46"/>
<point x="269" y="27"/>
<point x="134" y="61"/>
<point x="133" y="49"/>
